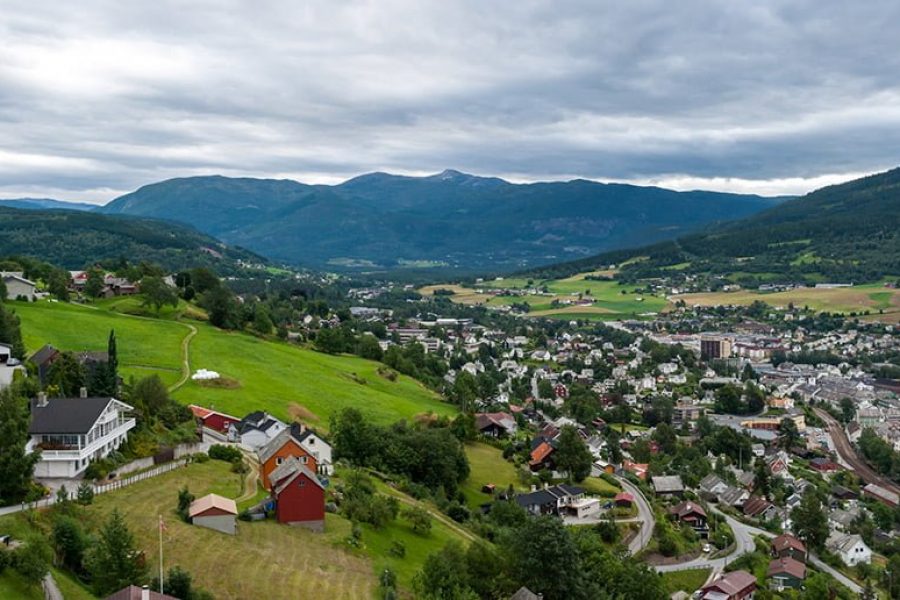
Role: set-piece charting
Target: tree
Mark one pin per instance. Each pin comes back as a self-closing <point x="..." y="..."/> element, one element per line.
<point x="185" y="498"/>
<point x="203" y="280"/>
<point x="762" y="479"/>
<point x="788" y="433"/>
<point x="157" y="293"/>
<point x="545" y="389"/>
<point x="178" y="583"/>
<point x="150" y="394"/>
<point x="115" y="561"/>
<point x="666" y="438"/>
<point x="444" y="575"/>
<point x="58" y="284"/>
<point x="3" y="291"/>
<point x="572" y="455"/>
<point x="368" y="347"/>
<point x="262" y="322"/>
<point x="70" y="542"/>
<point x="94" y="284"/>
<point x="103" y="380"/>
<point x="11" y="332"/>
<point x="66" y="376"/>
<point x="810" y="522"/>
<point x="221" y="306"/>
<point x="16" y="465"/>
<point x="544" y="558"/>
<point x="352" y="436"/>
<point x="420" y="519"/>
<point x="848" y="410"/>
<point x="32" y="560"/>
<point x="85" y="494"/>
<point x="728" y="400"/>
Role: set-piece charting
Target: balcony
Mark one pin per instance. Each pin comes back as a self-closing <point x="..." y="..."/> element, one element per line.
<point x="73" y="452"/>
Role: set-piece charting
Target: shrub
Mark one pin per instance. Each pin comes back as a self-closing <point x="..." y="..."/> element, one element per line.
<point x="458" y="512"/>
<point x="185" y="498"/>
<point x="85" y="493"/>
<point x="397" y="549"/>
<point x="227" y="453"/>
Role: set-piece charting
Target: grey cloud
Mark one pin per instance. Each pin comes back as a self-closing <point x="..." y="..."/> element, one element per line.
<point x="99" y="96"/>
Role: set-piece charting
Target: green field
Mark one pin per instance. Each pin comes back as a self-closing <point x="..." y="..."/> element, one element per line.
<point x="609" y="299"/>
<point x="286" y="380"/>
<point x="309" y="565"/>
<point x="487" y="465"/>
<point x="687" y="581"/>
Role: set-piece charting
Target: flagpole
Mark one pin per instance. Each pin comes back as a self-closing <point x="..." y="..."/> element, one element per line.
<point x="160" y="555"/>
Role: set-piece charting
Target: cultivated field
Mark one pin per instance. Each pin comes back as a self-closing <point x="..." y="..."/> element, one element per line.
<point x="286" y="380"/>
<point x="598" y="299"/>
<point x="874" y="298"/>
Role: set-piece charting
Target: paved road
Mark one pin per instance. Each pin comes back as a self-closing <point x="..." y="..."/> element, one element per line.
<point x="51" y="590"/>
<point x="743" y="544"/>
<point x="849" y="583"/>
<point x="645" y="515"/>
<point x="848" y="454"/>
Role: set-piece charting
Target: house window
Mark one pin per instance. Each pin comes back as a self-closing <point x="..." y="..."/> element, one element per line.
<point x="302" y="483"/>
<point x="279" y="460"/>
<point x="304" y="459"/>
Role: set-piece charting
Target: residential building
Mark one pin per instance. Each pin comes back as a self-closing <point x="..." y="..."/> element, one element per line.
<point x="212" y="419"/>
<point x="298" y="494"/>
<point x="71" y="432"/>
<point x="282" y="447"/>
<point x="495" y="424"/>
<point x="668" y="485"/>
<point x="736" y="585"/>
<point x="255" y="430"/>
<point x="787" y="546"/>
<point x="714" y="347"/>
<point x="557" y="500"/>
<point x="17" y="287"/>
<point x="784" y="573"/>
<point x="850" y="548"/>
<point x="692" y="514"/>
<point x="316" y="446"/>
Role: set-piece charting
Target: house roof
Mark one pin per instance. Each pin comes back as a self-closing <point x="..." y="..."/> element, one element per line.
<point x="47" y="352"/>
<point x="756" y="505"/>
<point x="500" y="419"/>
<point x="523" y="593"/>
<point x="787" y="542"/>
<point x="787" y="565"/>
<point x="686" y="508"/>
<point x="276" y="444"/>
<point x="623" y="497"/>
<point x="287" y="472"/>
<point x="668" y="483"/>
<point x="540" y="453"/>
<point x="18" y="277"/>
<point x="201" y="505"/>
<point x="843" y="543"/>
<point x="133" y="592"/>
<point x="710" y="482"/>
<point x="732" y="583"/>
<point x="68" y="415"/>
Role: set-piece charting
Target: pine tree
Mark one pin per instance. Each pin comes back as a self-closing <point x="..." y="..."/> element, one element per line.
<point x="115" y="561"/>
<point x="16" y="466"/>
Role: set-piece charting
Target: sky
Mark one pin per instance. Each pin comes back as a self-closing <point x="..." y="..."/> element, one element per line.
<point x="99" y="97"/>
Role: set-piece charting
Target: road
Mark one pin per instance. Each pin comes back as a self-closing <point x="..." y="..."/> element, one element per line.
<point x="743" y="544"/>
<point x="849" y="456"/>
<point x="645" y="515"/>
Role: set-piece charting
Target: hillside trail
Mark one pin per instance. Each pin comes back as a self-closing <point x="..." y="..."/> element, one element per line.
<point x="251" y="481"/>
<point x="438" y="516"/>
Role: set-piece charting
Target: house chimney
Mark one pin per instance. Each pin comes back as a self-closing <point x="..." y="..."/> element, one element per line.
<point x="533" y="488"/>
<point x="41" y="399"/>
<point x="82" y="393"/>
<point x="145" y="592"/>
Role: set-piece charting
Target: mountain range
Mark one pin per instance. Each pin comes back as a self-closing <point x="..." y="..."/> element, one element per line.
<point x="45" y="204"/>
<point x="450" y="220"/>
<point x="846" y="233"/>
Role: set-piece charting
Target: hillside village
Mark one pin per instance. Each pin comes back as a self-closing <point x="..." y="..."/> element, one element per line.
<point x="751" y="449"/>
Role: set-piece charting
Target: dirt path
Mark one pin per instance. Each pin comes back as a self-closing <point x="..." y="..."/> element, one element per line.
<point x="251" y="481"/>
<point x="436" y="515"/>
<point x="185" y="358"/>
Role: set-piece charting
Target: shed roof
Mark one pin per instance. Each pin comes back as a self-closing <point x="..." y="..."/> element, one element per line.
<point x="210" y="501"/>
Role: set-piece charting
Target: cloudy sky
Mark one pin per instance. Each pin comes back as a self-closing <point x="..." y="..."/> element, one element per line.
<point x="99" y="97"/>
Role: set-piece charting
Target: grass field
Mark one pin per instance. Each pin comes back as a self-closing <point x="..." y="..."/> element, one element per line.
<point x="871" y="297"/>
<point x="609" y="299"/>
<point x="286" y="380"/>
<point x="688" y="581"/>
<point x="487" y="465"/>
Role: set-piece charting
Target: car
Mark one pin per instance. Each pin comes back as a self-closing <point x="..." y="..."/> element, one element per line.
<point x="707" y="548"/>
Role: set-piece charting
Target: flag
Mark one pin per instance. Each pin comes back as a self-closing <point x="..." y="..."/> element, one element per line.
<point x="162" y="524"/>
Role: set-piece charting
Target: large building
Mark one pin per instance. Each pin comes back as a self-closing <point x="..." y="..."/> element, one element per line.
<point x="17" y="287"/>
<point x="713" y="347"/>
<point x="71" y="432"/>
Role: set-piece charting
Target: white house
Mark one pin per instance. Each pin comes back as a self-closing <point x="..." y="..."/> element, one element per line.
<point x="17" y="286"/>
<point x="319" y="448"/>
<point x="255" y="430"/>
<point x="71" y="432"/>
<point x="850" y="548"/>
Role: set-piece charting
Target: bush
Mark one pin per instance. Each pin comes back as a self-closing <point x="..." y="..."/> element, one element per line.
<point x="397" y="549"/>
<point x="227" y="453"/>
<point x="458" y="512"/>
<point x="199" y="457"/>
<point x="85" y="493"/>
<point x="185" y="498"/>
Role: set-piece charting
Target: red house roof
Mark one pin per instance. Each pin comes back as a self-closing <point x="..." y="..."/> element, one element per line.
<point x="540" y="454"/>
<point x="732" y="584"/>
<point x="787" y="565"/>
<point x="787" y="542"/>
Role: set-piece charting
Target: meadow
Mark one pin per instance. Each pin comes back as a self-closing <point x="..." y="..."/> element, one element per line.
<point x="487" y="465"/>
<point x="608" y="299"/>
<point x="859" y="298"/>
<point x="284" y="379"/>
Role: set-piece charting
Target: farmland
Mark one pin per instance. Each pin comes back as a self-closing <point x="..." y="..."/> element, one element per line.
<point x="286" y="380"/>
<point x="858" y="298"/>
<point x="575" y="297"/>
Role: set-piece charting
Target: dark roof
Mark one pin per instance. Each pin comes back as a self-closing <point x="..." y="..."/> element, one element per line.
<point x="787" y="565"/>
<point x="66" y="415"/>
<point x="786" y="541"/>
<point x="44" y="354"/>
<point x="756" y="505"/>
<point x="539" y="497"/>
<point x="133" y="592"/>
<point x="683" y="509"/>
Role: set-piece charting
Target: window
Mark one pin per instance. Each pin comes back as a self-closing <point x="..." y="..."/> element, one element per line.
<point x="279" y="460"/>
<point x="304" y="459"/>
<point x="302" y="483"/>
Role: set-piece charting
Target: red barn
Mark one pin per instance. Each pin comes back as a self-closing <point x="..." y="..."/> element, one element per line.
<point x="212" y="419"/>
<point x="299" y="495"/>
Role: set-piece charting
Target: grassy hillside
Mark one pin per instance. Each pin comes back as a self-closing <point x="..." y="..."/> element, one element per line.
<point x="576" y="297"/>
<point x="286" y="380"/>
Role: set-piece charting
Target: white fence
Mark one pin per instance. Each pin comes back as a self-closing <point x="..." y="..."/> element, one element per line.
<point x="119" y="484"/>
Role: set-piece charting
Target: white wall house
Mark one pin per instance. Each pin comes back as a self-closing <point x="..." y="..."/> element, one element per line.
<point x="255" y="430"/>
<point x="17" y="286"/>
<point x="849" y="548"/>
<point x="71" y="432"/>
<point x="319" y="448"/>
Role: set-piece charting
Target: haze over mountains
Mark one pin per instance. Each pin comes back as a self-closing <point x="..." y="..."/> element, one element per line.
<point x="450" y="220"/>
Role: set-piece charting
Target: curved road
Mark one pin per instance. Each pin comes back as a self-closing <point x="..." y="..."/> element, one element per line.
<point x="849" y="455"/>
<point x="743" y="544"/>
<point x="645" y="516"/>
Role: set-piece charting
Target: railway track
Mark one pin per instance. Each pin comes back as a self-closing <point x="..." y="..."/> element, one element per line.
<point x="848" y="453"/>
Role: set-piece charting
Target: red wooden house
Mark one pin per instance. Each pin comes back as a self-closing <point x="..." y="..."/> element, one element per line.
<point x="299" y="495"/>
<point x="212" y="419"/>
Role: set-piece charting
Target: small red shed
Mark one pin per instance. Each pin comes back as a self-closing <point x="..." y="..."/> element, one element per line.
<point x="299" y="495"/>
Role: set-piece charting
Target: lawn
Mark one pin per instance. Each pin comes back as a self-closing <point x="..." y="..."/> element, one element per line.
<point x="293" y="382"/>
<point x="145" y="346"/>
<point x="487" y="465"/>
<point x="688" y="581"/>
<point x="308" y="565"/>
<point x="13" y="586"/>
<point x="600" y="487"/>
<point x="286" y="380"/>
